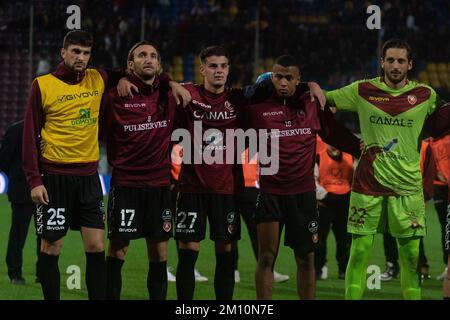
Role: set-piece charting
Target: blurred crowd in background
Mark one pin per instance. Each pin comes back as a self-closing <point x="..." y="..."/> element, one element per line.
<point x="330" y="38"/>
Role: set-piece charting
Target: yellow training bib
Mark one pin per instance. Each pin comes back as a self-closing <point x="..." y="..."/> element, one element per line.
<point x="71" y="114"/>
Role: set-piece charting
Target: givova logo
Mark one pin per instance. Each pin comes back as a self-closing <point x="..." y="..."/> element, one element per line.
<point x="85" y="118"/>
<point x="81" y="95"/>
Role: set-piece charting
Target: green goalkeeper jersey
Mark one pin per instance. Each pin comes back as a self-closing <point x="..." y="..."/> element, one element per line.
<point x="391" y="122"/>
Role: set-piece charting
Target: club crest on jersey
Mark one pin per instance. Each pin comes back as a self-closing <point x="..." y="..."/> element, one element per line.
<point x="412" y="99"/>
<point x="167" y="220"/>
<point x="167" y="226"/>
<point x="301" y="114"/>
<point x="232" y="228"/>
<point x="228" y="106"/>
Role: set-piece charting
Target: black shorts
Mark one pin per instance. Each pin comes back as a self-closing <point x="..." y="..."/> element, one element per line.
<point x="74" y="202"/>
<point x="299" y="214"/>
<point x="193" y="210"/>
<point x="135" y="213"/>
<point x="246" y="201"/>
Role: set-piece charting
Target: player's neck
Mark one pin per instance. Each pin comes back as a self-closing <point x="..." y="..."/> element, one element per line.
<point x="213" y="89"/>
<point x="393" y="85"/>
<point x="68" y="74"/>
<point x="146" y="81"/>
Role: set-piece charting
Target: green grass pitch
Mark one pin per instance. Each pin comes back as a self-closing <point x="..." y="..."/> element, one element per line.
<point x="134" y="272"/>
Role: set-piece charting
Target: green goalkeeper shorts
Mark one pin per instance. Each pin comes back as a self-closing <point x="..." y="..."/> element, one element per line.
<point x="401" y="216"/>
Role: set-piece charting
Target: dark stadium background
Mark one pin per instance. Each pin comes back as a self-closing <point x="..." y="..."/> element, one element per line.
<point x="330" y="38"/>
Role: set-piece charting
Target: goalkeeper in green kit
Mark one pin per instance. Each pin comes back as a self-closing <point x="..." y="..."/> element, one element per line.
<point x="387" y="187"/>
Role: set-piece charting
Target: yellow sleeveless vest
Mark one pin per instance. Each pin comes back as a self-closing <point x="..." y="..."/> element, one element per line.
<point x="71" y="117"/>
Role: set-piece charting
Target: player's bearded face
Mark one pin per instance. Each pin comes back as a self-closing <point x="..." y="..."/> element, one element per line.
<point x="215" y="71"/>
<point x="145" y="63"/>
<point x="76" y="57"/>
<point x="285" y="80"/>
<point x="396" y="65"/>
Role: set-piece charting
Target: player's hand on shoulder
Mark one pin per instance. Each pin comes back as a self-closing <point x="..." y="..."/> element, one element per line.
<point x="316" y="92"/>
<point x="39" y="195"/>
<point x="125" y="88"/>
<point x="180" y="94"/>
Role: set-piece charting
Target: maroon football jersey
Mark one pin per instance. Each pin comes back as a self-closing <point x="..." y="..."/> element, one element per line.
<point x="298" y="120"/>
<point x="214" y="111"/>
<point x="138" y="134"/>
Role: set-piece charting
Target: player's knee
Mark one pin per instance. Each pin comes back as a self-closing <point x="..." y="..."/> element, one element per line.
<point x="223" y="246"/>
<point x="305" y="265"/>
<point x="305" y="260"/>
<point x="157" y="256"/>
<point x="410" y="258"/>
<point x="193" y="246"/>
<point x="94" y="247"/>
<point x="266" y="259"/>
<point x="52" y="248"/>
<point x="117" y="250"/>
<point x="119" y="253"/>
<point x="162" y="256"/>
<point x="359" y="251"/>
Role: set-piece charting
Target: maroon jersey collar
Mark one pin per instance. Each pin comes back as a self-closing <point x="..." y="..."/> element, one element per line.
<point x="295" y="100"/>
<point x="145" y="89"/>
<point x="213" y="95"/>
<point x="68" y="75"/>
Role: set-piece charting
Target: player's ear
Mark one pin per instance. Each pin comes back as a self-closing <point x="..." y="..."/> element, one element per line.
<point x="382" y="63"/>
<point x="410" y="64"/>
<point x="202" y="69"/>
<point x="63" y="52"/>
<point x="159" y="69"/>
<point x="130" y="65"/>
